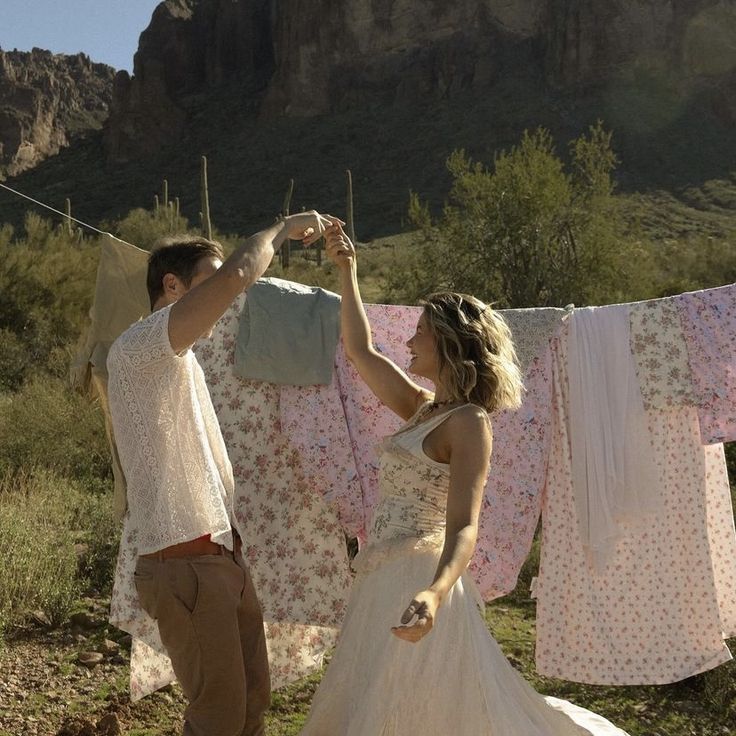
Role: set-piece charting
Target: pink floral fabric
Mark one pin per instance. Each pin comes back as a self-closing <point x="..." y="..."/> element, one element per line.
<point x="660" y="354"/>
<point x="292" y="539"/>
<point x="513" y="494"/>
<point x="709" y="323"/>
<point x="660" y="609"/>
<point x="313" y="419"/>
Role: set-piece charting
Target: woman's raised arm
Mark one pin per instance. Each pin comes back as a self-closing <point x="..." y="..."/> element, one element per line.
<point x="387" y="381"/>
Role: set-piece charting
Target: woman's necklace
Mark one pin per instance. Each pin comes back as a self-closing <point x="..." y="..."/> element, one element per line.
<point x="432" y="405"/>
<point x="426" y="409"/>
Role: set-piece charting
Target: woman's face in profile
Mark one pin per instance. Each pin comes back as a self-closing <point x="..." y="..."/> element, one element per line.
<point x="423" y="346"/>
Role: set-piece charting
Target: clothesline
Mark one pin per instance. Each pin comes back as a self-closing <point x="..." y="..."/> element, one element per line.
<point x="58" y="212"/>
<point x="614" y="628"/>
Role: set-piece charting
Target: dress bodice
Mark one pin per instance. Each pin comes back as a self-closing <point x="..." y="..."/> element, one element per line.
<point x="413" y="487"/>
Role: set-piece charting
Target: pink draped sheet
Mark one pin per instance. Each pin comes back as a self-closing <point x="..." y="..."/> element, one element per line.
<point x="709" y="324"/>
<point x="338" y="442"/>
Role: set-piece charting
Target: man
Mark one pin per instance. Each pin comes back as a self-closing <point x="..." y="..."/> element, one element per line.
<point x="190" y="576"/>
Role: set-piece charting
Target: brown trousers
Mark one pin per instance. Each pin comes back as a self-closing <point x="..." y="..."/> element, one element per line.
<point x="211" y="624"/>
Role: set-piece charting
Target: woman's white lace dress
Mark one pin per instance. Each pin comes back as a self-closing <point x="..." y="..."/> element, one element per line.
<point x="455" y="681"/>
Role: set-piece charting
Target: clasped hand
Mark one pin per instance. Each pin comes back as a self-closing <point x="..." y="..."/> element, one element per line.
<point x="309" y="226"/>
<point x="423" y="608"/>
<point x="338" y="246"/>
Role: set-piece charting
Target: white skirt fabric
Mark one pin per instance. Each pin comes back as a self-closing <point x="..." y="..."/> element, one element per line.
<point x="454" y="682"/>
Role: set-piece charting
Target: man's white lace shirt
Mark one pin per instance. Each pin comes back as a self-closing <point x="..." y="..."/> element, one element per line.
<point x="178" y="475"/>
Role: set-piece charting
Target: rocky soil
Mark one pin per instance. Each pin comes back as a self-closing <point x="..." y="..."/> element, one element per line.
<point x="72" y="681"/>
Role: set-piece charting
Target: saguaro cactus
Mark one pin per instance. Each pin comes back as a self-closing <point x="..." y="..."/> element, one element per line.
<point x="206" y="222"/>
<point x="349" y="216"/>
<point x="68" y="211"/>
<point x="285" y="252"/>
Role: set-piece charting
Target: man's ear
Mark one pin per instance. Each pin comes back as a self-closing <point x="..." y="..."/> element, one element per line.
<point x="172" y="285"/>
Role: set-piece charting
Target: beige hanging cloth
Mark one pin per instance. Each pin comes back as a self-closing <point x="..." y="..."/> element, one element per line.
<point x="120" y="299"/>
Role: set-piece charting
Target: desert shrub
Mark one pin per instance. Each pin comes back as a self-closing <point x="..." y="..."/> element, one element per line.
<point x="43" y="517"/>
<point x="46" y="425"/>
<point x="16" y="360"/>
<point x="692" y="263"/>
<point x="46" y="284"/>
<point x="143" y="227"/>
<point x="526" y="231"/>
<point x="38" y="564"/>
<point x="7" y="232"/>
<point x="305" y="272"/>
<point x="94" y="526"/>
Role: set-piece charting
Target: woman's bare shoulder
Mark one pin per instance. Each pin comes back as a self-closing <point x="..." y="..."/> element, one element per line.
<point x="469" y="420"/>
<point x="472" y="414"/>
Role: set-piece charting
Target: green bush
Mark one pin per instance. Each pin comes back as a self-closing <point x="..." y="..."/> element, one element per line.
<point x="46" y="283"/>
<point x="143" y="228"/>
<point x="46" y="425"/>
<point x="526" y="232"/>
<point x="692" y="263"/>
<point x="306" y="272"/>
<point x="16" y="361"/>
<point x="94" y="526"/>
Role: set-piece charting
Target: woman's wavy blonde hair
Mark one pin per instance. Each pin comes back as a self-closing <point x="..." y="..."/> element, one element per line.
<point x="477" y="358"/>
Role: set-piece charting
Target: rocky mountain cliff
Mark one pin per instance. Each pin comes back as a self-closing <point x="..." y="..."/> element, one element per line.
<point x="46" y="100"/>
<point x="189" y="48"/>
<point x="310" y="57"/>
<point x="271" y="90"/>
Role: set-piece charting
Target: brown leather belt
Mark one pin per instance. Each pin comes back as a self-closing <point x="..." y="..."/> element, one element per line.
<point x="194" y="548"/>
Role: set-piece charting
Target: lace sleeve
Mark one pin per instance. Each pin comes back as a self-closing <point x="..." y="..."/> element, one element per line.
<point x="145" y="346"/>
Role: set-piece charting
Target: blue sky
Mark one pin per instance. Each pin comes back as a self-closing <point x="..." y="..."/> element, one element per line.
<point x="106" y="30"/>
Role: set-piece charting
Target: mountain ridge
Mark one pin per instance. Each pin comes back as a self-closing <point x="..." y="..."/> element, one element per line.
<point x="271" y="91"/>
<point x="46" y="101"/>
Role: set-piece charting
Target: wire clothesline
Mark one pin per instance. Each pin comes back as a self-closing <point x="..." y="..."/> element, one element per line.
<point x="58" y="212"/>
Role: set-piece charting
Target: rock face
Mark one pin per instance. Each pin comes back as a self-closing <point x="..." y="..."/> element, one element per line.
<point x="335" y="54"/>
<point x="45" y="101"/>
<point x="329" y="50"/>
<point x="308" y="57"/>
<point x="189" y="47"/>
<point x="592" y="41"/>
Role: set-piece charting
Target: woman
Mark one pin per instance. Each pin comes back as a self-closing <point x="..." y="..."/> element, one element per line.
<point x="430" y="668"/>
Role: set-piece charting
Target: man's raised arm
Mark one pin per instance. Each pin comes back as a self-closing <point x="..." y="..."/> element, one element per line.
<point x="196" y="313"/>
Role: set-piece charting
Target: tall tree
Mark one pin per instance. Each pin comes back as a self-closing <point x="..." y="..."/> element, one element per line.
<point x="525" y="232"/>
